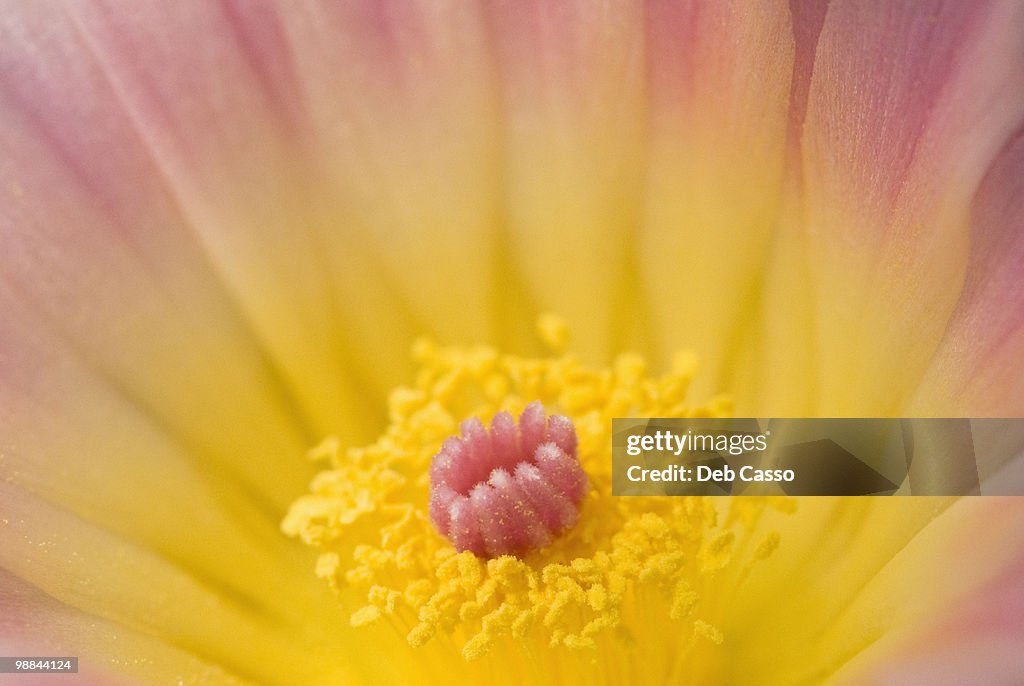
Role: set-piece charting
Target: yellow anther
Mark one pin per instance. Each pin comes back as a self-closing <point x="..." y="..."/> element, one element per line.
<point x="365" y="615"/>
<point x="705" y="630"/>
<point x="684" y="600"/>
<point x="421" y="634"/>
<point x="477" y="646"/>
<point x="553" y="332"/>
<point x="767" y="545"/>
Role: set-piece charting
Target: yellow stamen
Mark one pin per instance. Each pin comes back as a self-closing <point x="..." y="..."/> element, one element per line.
<point x="628" y="562"/>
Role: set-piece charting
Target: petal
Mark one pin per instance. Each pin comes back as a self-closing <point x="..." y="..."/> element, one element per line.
<point x="88" y="569"/>
<point x="975" y="635"/>
<point x="106" y="328"/>
<point x="100" y="255"/>
<point x="719" y="92"/>
<point x="774" y="372"/>
<point x="404" y="163"/>
<point x="979" y="641"/>
<point x="571" y="89"/>
<point x="908" y="105"/>
<point x="154" y="406"/>
<point x="172" y="616"/>
<point x="78" y="443"/>
<point x="179" y="166"/>
<point x="33" y="624"/>
<point x="984" y="338"/>
<point x="853" y="580"/>
<point x="829" y="550"/>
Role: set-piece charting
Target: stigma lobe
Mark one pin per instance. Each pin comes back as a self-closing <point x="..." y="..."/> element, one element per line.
<point x="510" y="489"/>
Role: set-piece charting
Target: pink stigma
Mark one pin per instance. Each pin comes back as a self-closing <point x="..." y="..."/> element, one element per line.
<point x="508" y="490"/>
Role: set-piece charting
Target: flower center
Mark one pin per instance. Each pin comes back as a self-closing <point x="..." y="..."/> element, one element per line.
<point x="533" y="548"/>
<point x="508" y="490"/>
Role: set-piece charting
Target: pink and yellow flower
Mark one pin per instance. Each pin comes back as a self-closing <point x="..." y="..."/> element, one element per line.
<point x="223" y="225"/>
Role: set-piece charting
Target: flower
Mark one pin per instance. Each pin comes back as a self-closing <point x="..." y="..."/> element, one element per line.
<point x="223" y="225"/>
